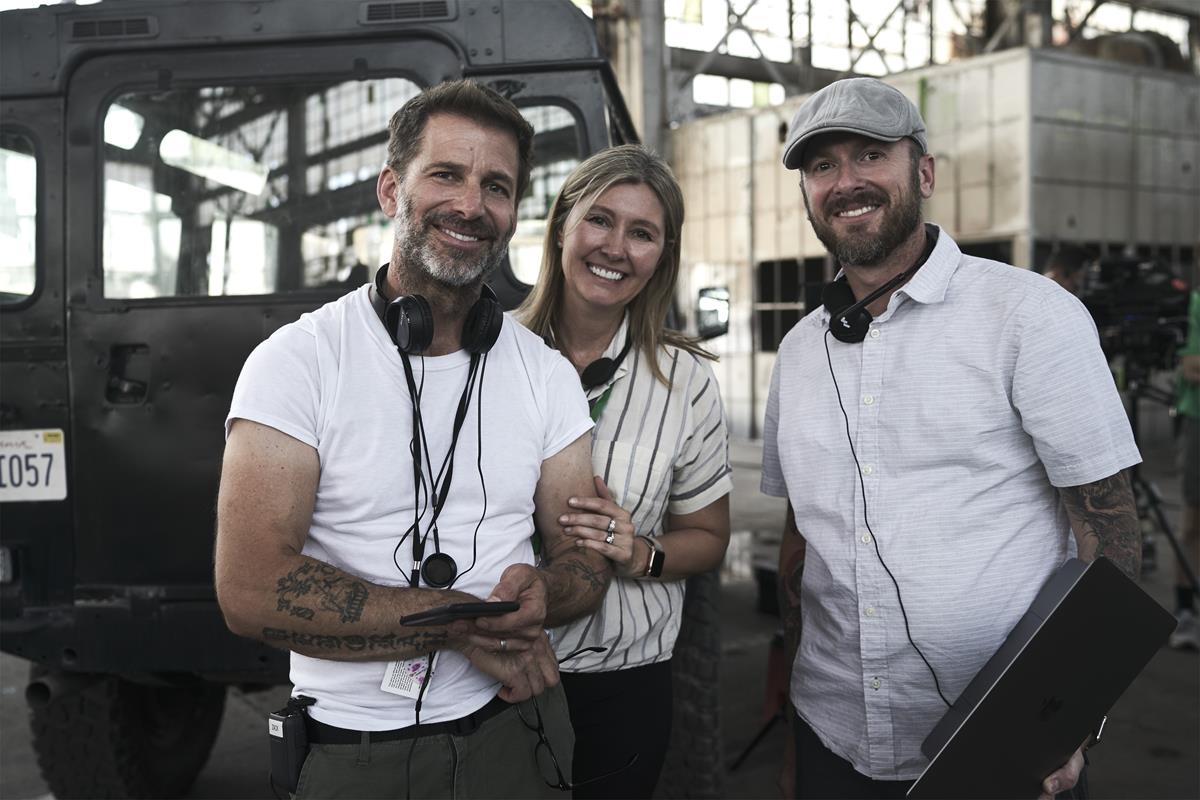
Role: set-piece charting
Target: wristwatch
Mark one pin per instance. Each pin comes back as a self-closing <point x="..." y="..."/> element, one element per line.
<point x="658" y="557"/>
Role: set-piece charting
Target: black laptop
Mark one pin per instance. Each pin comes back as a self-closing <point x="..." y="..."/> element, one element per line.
<point x="1087" y="635"/>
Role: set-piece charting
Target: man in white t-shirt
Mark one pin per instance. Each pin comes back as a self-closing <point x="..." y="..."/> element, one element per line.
<point x="936" y="450"/>
<point x="345" y="505"/>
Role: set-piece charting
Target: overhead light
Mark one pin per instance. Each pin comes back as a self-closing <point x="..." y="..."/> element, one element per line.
<point x="122" y="127"/>
<point x="212" y="161"/>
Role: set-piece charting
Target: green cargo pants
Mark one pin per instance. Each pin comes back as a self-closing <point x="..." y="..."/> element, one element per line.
<point x="504" y="758"/>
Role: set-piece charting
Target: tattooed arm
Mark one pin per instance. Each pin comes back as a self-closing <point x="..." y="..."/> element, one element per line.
<point x="571" y="580"/>
<point x="791" y="568"/>
<point x="1104" y="519"/>
<point x="269" y="591"/>
<point x="576" y="578"/>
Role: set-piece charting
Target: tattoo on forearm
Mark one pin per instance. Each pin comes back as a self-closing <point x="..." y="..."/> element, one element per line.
<point x="330" y="589"/>
<point x="596" y="579"/>
<point x="1107" y="515"/>
<point x="420" y="640"/>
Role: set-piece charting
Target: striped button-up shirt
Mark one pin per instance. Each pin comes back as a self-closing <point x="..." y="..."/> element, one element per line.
<point x="659" y="448"/>
<point x="979" y="390"/>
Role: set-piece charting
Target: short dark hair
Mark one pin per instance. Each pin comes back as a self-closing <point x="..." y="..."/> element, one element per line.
<point x="1067" y="260"/>
<point x="463" y="98"/>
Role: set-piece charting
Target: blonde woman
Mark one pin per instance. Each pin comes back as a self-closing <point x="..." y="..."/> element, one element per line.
<point x="659" y="454"/>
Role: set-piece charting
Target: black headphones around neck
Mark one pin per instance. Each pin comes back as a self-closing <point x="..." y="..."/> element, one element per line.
<point x="849" y="320"/>
<point x="408" y="320"/>
<point x="601" y="370"/>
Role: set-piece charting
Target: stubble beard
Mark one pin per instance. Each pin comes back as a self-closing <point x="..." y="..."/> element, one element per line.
<point x="414" y="246"/>
<point x="867" y="249"/>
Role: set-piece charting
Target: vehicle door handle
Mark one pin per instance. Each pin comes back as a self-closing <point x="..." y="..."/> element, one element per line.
<point x="128" y="374"/>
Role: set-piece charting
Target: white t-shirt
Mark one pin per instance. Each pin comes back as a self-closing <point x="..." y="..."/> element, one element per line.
<point x="334" y="380"/>
<point x="979" y="390"/>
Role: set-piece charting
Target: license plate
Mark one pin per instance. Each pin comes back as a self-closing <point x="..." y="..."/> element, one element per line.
<point x="33" y="466"/>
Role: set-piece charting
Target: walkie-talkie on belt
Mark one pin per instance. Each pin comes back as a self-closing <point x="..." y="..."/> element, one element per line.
<point x="289" y="742"/>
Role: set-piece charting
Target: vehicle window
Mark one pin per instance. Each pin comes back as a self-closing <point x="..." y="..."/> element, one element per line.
<point x="242" y="190"/>
<point x="18" y="218"/>
<point x="555" y="154"/>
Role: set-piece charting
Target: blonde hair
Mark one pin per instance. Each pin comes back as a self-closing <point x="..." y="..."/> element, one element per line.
<point x="625" y="164"/>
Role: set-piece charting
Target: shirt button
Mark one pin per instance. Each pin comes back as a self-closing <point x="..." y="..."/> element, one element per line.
<point x="870" y="611"/>
<point x="866" y="538"/>
<point x="868" y="399"/>
<point x="876" y="683"/>
<point x="874" y="333"/>
<point x="867" y="469"/>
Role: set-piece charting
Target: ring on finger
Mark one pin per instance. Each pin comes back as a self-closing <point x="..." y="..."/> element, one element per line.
<point x="612" y="525"/>
<point x="503" y="645"/>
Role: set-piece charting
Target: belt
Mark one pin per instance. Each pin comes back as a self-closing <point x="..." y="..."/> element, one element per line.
<point x="321" y="733"/>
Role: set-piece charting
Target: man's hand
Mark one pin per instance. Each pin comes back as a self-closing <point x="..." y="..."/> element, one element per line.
<point x="1064" y="777"/>
<point x="519" y="630"/>
<point x="524" y="673"/>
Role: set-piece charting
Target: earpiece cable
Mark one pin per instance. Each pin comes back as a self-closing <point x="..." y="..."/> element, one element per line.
<point x="875" y="539"/>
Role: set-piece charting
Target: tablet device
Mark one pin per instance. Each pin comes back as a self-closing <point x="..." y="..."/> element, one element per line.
<point x="1087" y="635"/>
<point x="443" y="615"/>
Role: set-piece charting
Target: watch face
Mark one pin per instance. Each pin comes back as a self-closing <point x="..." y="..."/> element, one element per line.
<point x="657" y="557"/>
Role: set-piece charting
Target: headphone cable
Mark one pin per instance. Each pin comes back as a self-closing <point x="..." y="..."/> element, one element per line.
<point x="479" y="468"/>
<point x="875" y="539"/>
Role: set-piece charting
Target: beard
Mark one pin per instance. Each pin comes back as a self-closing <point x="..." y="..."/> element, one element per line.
<point x="415" y="246"/>
<point x="866" y="249"/>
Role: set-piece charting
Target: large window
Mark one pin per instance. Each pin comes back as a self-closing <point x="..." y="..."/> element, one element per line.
<point x="786" y="291"/>
<point x="262" y="189"/>
<point x="18" y="218"/>
<point x="556" y="153"/>
<point x="235" y="190"/>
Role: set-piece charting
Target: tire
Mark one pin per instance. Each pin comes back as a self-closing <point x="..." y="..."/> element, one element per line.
<point x="694" y="766"/>
<point x="115" y="738"/>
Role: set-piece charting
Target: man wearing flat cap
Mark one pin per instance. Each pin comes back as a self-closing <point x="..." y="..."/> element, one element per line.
<point x="939" y="427"/>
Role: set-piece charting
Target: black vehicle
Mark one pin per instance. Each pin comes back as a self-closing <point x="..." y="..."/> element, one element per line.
<point x="177" y="180"/>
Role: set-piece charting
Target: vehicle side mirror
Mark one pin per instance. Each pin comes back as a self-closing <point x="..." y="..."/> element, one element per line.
<point x="712" y="313"/>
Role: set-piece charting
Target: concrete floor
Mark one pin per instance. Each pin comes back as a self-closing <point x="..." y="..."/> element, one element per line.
<point x="1150" y="750"/>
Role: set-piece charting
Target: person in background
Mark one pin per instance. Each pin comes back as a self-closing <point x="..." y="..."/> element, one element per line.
<point x="659" y="454"/>
<point x="1066" y="267"/>
<point x="1187" y="634"/>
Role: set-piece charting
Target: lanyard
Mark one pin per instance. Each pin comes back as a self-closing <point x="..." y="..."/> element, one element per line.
<point x="596" y="407"/>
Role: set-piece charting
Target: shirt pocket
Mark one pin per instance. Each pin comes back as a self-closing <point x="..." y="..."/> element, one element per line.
<point x="638" y="478"/>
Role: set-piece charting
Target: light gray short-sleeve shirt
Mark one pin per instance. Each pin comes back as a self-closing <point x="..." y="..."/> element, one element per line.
<point x="980" y="389"/>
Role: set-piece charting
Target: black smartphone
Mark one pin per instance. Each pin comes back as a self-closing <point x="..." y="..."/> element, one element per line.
<point x="443" y="615"/>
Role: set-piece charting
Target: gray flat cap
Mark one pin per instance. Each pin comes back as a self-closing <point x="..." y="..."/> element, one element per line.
<point x="854" y="105"/>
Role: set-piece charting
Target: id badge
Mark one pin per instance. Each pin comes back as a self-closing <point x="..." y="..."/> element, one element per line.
<point x="406" y="678"/>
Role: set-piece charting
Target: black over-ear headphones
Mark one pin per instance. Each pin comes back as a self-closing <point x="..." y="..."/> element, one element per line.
<point x="849" y="321"/>
<point x="409" y="320"/>
<point x="601" y="370"/>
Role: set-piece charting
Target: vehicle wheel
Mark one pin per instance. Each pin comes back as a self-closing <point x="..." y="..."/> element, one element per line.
<point x="694" y="766"/>
<point x="115" y="738"/>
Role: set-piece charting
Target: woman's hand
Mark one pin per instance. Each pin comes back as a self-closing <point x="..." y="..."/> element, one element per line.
<point x="600" y="524"/>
